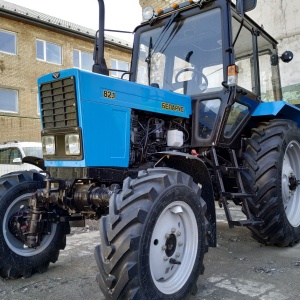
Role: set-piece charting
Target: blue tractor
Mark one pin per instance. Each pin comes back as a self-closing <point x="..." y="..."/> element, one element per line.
<point x="201" y="119"/>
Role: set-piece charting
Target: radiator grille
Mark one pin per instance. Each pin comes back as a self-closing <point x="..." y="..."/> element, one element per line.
<point x="58" y="103"/>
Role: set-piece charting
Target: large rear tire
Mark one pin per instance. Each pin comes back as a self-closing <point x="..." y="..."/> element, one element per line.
<point x="273" y="158"/>
<point x="154" y="239"/>
<point x="16" y="259"/>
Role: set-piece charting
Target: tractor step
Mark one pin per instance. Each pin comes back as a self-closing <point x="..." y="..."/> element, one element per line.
<point x="250" y="222"/>
<point x="229" y="195"/>
<point x="227" y="169"/>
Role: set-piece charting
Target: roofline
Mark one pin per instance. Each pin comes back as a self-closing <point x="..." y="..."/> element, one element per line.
<point x="59" y="29"/>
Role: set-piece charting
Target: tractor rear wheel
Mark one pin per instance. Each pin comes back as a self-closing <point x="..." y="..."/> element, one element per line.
<point x="154" y="239"/>
<point x="16" y="259"/>
<point x="273" y="158"/>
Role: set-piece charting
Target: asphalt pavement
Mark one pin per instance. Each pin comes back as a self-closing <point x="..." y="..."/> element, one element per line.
<point x="239" y="268"/>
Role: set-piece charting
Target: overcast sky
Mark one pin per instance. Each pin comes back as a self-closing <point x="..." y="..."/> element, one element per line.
<point x="120" y="14"/>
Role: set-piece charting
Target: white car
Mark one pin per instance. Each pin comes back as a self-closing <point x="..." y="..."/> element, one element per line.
<point x="12" y="153"/>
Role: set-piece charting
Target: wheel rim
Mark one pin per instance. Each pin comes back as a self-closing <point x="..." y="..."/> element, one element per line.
<point x="290" y="188"/>
<point x="175" y="237"/>
<point x="15" y="245"/>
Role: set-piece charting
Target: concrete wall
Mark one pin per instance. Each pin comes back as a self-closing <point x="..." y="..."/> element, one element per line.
<point x="281" y="19"/>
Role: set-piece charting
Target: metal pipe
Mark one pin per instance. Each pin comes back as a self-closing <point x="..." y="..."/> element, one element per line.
<point x="99" y="61"/>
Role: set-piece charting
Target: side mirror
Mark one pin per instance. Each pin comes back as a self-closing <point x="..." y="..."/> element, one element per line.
<point x="243" y="6"/>
<point x="287" y="56"/>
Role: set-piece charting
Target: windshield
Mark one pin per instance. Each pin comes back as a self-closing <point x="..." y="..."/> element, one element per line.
<point x="184" y="56"/>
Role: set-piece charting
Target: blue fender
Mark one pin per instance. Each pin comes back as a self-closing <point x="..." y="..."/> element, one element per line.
<point x="278" y="109"/>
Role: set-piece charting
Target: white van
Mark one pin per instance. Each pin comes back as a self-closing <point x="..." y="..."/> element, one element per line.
<point x="11" y="155"/>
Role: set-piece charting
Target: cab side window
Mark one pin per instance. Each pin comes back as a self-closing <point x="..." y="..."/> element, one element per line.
<point x="8" y="155"/>
<point x="4" y="156"/>
<point x="15" y="153"/>
<point x="243" y="50"/>
<point x="255" y="56"/>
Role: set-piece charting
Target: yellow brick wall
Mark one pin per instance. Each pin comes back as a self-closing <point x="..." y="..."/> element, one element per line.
<point x="159" y="3"/>
<point x="20" y="72"/>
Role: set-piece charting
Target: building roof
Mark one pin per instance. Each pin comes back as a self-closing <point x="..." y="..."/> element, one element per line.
<point x="18" y="12"/>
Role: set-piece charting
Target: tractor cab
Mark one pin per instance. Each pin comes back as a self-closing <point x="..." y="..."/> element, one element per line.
<point x="211" y="51"/>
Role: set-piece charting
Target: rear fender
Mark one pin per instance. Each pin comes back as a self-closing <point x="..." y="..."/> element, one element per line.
<point x="278" y="109"/>
<point x="197" y="169"/>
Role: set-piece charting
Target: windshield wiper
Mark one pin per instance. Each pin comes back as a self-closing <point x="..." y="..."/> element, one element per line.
<point x="148" y="59"/>
<point x="152" y="48"/>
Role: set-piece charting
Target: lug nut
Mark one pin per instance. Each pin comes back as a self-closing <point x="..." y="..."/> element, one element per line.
<point x="165" y="258"/>
<point x="177" y="255"/>
<point x="178" y="233"/>
<point x="164" y="247"/>
<point x="173" y="230"/>
<point x="167" y="236"/>
<point x="180" y="243"/>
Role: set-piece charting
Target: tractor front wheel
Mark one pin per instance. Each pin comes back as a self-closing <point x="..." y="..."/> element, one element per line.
<point x="16" y="259"/>
<point x="154" y="239"/>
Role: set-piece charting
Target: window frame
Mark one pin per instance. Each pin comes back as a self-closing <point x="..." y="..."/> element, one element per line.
<point x="114" y="70"/>
<point x="16" y="101"/>
<point x="45" y="52"/>
<point x="15" y="42"/>
<point x="80" y="52"/>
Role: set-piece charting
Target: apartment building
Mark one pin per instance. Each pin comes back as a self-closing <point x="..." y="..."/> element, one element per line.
<point x="33" y="44"/>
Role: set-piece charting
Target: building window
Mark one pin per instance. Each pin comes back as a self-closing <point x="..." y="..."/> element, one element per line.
<point x="83" y="60"/>
<point x="119" y="65"/>
<point x="8" y="101"/>
<point x="49" y="52"/>
<point x="8" y="42"/>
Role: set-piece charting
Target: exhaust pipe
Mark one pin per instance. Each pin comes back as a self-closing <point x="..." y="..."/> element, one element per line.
<point x="99" y="61"/>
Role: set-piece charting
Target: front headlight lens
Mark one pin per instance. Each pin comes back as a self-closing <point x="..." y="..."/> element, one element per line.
<point x="148" y="13"/>
<point x="48" y="143"/>
<point x="72" y="144"/>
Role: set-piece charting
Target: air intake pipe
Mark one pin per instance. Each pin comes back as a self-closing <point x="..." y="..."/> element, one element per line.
<point x="99" y="61"/>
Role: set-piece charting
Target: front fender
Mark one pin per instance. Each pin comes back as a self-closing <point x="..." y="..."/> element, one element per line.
<point x="36" y="161"/>
<point x="197" y="169"/>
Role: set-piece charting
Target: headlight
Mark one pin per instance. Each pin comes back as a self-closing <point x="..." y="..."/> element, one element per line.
<point x="72" y="144"/>
<point x="48" y="143"/>
<point x="148" y="13"/>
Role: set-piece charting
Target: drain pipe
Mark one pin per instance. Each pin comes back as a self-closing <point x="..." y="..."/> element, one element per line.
<point x="99" y="61"/>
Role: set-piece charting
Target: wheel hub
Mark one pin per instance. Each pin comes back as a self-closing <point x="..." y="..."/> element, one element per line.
<point x="18" y="224"/>
<point x="171" y="251"/>
<point x="16" y="228"/>
<point x="171" y="245"/>
<point x="293" y="182"/>
<point x="290" y="183"/>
